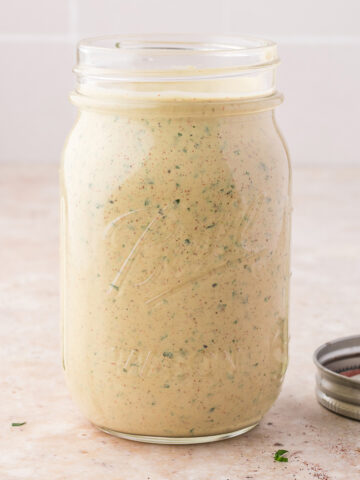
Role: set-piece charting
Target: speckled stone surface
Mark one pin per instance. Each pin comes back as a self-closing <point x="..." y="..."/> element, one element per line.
<point x="58" y="443"/>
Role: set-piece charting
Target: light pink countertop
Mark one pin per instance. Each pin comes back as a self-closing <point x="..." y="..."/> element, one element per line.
<point x="58" y="443"/>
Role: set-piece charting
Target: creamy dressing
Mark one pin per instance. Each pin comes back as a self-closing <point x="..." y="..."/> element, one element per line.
<point x="175" y="267"/>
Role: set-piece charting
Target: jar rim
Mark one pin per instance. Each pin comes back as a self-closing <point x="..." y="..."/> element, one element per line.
<point x="182" y="43"/>
<point x="173" y="55"/>
<point x="204" y="64"/>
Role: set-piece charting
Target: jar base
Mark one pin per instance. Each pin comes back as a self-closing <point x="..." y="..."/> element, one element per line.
<point x="177" y="440"/>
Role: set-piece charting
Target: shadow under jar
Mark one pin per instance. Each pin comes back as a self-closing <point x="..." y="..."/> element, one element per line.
<point x="175" y="210"/>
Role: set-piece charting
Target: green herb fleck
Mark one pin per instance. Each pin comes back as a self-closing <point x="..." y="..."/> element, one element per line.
<point x="166" y="385"/>
<point x="18" y="424"/>
<point x="266" y="299"/>
<point x="222" y="306"/>
<point x="147" y="201"/>
<point x="168" y="354"/>
<point x="211" y="226"/>
<point x="114" y="286"/>
<point x="177" y="201"/>
<point x="179" y="134"/>
<point x="212" y="409"/>
<point x="187" y="241"/>
<point x="278" y="456"/>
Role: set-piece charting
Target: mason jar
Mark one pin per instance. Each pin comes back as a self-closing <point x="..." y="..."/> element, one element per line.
<point x="175" y="213"/>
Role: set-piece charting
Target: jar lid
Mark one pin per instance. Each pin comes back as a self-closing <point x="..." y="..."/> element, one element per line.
<point x="338" y="376"/>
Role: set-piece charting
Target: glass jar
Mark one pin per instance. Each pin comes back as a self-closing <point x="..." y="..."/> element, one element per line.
<point x="175" y="235"/>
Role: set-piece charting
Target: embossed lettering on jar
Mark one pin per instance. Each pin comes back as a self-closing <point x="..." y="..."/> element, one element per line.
<point x="175" y="211"/>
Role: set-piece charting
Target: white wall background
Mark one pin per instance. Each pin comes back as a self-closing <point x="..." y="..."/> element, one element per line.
<point x="319" y="43"/>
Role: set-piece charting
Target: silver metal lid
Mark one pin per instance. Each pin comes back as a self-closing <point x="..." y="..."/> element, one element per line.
<point x="338" y="376"/>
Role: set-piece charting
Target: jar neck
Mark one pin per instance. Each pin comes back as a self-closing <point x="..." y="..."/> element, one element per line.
<point x="176" y="108"/>
<point x="176" y="69"/>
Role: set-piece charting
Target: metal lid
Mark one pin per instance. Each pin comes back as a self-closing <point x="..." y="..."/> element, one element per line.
<point x="338" y="376"/>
